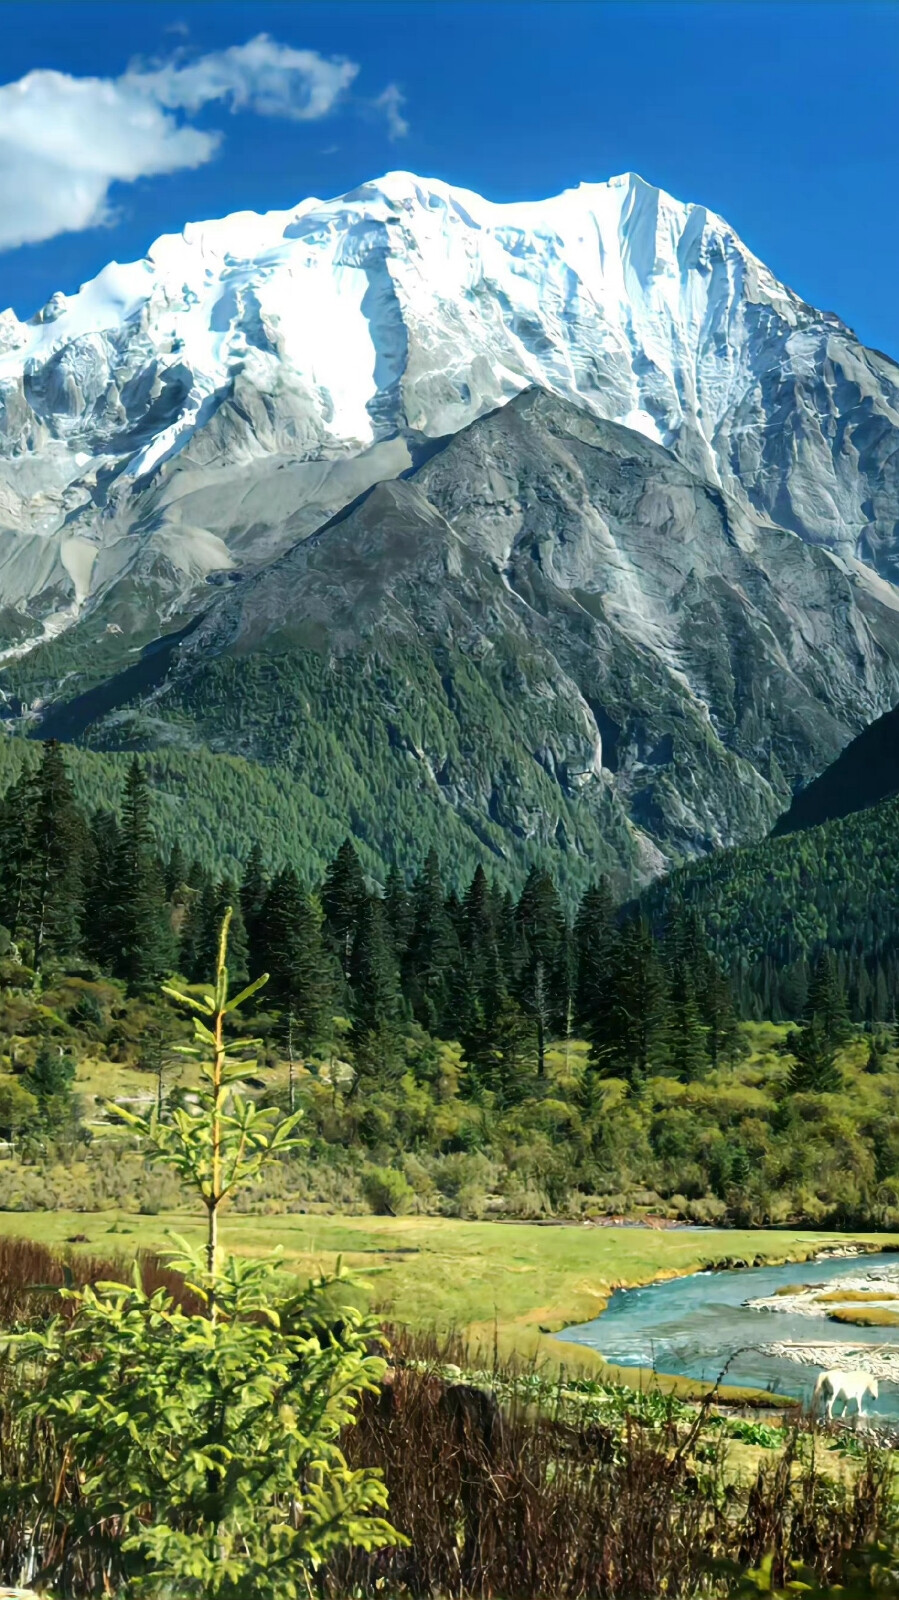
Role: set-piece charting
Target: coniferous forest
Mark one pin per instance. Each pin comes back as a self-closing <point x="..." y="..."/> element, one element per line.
<point x="455" y="1047"/>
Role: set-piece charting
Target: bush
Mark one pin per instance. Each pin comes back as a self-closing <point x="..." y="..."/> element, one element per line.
<point x="388" y="1193"/>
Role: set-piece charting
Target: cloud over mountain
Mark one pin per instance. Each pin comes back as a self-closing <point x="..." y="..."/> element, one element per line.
<point x="64" y="141"/>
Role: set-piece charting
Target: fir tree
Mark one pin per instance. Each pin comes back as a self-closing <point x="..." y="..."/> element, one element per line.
<point x="687" y="1058"/>
<point x="50" y="1079"/>
<point x="139" y="914"/>
<point x="102" y="856"/>
<point x="175" y="872"/>
<point x="814" y="1069"/>
<point x="627" y="1035"/>
<point x="723" y="1040"/>
<point x="398" y="910"/>
<point x="826" y="1001"/>
<point x="594" y="947"/>
<point x="376" y="1001"/>
<point x="301" y="974"/>
<point x="343" y="901"/>
<point x="15" y="855"/>
<point x="515" y="1055"/>
<point x="877" y="1054"/>
<point x="253" y="891"/>
<point x="53" y="886"/>
<point x="198" y="929"/>
<point x="432" y="955"/>
<point x="543" y="983"/>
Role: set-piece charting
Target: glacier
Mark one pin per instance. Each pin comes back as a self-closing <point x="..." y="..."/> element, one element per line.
<point x="195" y="413"/>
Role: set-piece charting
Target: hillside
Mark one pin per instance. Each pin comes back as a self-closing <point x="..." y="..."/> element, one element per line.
<point x="552" y="638"/>
<point x="864" y="773"/>
<point x="213" y="806"/>
<point x="767" y="910"/>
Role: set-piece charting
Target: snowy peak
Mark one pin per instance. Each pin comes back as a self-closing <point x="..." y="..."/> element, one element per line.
<point x="203" y="408"/>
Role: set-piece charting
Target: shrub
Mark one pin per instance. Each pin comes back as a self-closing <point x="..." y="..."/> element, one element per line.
<point x="387" y="1191"/>
<point x="200" y="1448"/>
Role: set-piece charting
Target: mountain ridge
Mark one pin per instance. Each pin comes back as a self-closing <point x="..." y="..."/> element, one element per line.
<point x="552" y="627"/>
<point x="143" y="420"/>
<point x="705" y="592"/>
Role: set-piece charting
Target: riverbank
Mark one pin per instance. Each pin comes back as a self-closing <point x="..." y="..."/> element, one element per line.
<point x="513" y="1284"/>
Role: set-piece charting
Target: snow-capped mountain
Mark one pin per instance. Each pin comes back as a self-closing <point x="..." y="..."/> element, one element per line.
<point x="626" y="579"/>
<point x="202" y="409"/>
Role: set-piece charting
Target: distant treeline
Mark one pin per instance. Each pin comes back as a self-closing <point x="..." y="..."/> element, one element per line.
<point x="502" y="975"/>
<point x="770" y="909"/>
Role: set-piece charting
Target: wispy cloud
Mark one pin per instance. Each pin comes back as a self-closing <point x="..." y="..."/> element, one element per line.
<point x="64" y="140"/>
<point x="272" y="79"/>
<point x="391" y="101"/>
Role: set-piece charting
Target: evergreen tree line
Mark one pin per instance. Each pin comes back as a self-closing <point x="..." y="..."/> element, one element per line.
<point x="769" y="910"/>
<point x="502" y="976"/>
<point x="778" y="991"/>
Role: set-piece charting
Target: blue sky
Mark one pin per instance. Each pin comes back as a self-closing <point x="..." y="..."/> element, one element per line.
<point x="780" y="116"/>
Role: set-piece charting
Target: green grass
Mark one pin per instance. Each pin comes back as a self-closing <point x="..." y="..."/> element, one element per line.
<point x="514" y="1281"/>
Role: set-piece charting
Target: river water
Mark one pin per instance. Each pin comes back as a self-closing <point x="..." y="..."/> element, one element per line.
<point x="696" y="1327"/>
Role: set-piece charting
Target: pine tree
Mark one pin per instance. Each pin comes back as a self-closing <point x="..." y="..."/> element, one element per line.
<point x="176" y="871"/>
<point x="814" y="1069"/>
<point x="594" y="946"/>
<point x="51" y="883"/>
<point x="398" y="910"/>
<point x="432" y="955"/>
<point x="723" y="1039"/>
<point x="196" y="911"/>
<point x="877" y="1054"/>
<point x="253" y="890"/>
<point x="198" y="929"/>
<point x="627" y="1035"/>
<point x="343" y="901"/>
<point x="50" y="1079"/>
<point x="302" y="978"/>
<point x="100" y="894"/>
<point x="376" y="1000"/>
<point x="685" y="1042"/>
<point x="543" y="983"/>
<point x="15" y="855"/>
<point x="139" y="914"/>
<point x="515" y="1065"/>
<point x="509" y="938"/>
<point x="826" y="1001"/>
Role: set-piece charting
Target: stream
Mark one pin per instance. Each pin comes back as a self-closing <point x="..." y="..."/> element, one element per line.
<point x="696" y="1326"/>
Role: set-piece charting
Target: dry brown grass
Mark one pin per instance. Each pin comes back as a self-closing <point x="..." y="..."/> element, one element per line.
<point x="865" y="1316"/>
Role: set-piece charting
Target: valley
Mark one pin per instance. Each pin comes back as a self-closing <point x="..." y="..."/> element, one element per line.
<point x="466" y="636"/>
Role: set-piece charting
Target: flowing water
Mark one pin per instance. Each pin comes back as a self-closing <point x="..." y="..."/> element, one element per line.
<point x="697" y="1327"/>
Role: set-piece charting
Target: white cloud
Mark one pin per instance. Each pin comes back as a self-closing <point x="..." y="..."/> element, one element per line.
<point x="390" y="102"/>
<point x="64" y="141"/>
<point x="271" y="79"/>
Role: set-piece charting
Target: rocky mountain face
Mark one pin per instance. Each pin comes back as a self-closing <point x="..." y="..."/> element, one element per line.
<point x="202" y="408"/>
<point x="554" y="629"/>
<point x="625" y="576"/>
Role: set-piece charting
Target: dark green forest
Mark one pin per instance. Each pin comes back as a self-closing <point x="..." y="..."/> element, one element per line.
<point x="769" y="909"/>
<point x="461" y="1049"/>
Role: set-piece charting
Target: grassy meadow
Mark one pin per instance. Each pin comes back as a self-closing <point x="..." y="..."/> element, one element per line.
<point x="518" y="1282"/>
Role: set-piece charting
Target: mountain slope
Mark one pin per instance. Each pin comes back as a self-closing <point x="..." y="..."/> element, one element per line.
<point x="196" y="412"/>
<point x="866" y="772"/>
<point x="552" y="635"/>
<point x="771" y="907"/>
